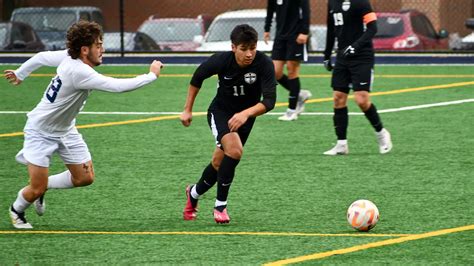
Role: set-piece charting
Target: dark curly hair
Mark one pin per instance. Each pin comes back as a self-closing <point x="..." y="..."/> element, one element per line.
<point x="82" y="33"/>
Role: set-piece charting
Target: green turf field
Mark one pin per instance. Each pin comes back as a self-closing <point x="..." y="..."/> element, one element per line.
<point x="288" y="202"/>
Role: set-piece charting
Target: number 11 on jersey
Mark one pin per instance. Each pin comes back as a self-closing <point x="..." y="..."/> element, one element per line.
<point x="236" y="90"/>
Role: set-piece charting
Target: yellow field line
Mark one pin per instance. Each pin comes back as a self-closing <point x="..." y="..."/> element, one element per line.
<point x="19" y="232"/>
<point x="443" y="86"/>
<point x="321" y="255"/>
<point x="301" y="75"/>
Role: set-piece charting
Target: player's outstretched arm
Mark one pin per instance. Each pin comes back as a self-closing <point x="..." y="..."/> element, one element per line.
<point x="187" y="114"/>
<point x="10" y="75"/>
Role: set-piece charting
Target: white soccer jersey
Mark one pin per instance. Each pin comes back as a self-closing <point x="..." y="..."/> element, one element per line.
<point x="65" y="96"/>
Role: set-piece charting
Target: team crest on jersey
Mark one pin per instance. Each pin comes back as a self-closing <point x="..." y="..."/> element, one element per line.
<point x="250" y="77"/>
<point x="346" y="5"/>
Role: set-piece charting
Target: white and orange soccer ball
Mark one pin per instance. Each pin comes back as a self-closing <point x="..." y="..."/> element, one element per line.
<point x="362" y="215"/>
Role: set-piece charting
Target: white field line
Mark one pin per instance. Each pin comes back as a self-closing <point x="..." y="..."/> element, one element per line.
<point x="392" y="110"/>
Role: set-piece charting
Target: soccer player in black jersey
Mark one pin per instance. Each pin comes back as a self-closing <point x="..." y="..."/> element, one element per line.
<point x="289" y="47"/>
<point x="354" y="24"/>
<point x="246" y="89"/>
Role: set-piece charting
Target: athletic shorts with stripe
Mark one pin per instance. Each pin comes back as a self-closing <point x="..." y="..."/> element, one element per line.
<point x="218" y="122"/>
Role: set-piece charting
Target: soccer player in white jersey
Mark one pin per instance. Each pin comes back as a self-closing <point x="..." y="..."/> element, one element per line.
<point x="50" y="127"/>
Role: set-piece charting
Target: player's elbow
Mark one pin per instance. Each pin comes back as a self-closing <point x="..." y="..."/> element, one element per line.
<point x="269" y="104"/>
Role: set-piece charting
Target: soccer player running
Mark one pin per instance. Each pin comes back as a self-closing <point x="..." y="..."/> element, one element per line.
<point x="289" y="47"/>
<point x="50" y="127"/>
<point x="246" y="89"/>
<point x="354" y="24"/>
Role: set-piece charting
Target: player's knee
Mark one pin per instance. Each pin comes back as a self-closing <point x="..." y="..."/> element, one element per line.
<point x="235" y="153"/>
<point x="85" y="179"/>
<point x="216" y="163"/>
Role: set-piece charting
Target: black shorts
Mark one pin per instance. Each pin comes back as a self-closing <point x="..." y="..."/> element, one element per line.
<point x="355" y="74"/>
<point x="285" y="50"/>
<point x="218" y="122"/>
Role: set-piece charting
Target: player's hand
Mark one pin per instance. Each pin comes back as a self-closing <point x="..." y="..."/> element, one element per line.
<point x="349" y="51"/>
<point x="328" y="64"/>
<point x="266" y="37"/>
<point x="186" y="118"/>
<point x="302" y="38"/>
<point x="237" y="121"/>
<point x="11" y="77"/>
<point x="156" y="67"/>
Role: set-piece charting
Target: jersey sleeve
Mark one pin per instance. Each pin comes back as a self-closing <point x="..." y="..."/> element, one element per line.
<point x="330" y="35"/>
<point x="207" y="69"/>
<point x="47" y="58"/>
<point x="306" y="14"/>
<point x="365" y="9"/>
<point x="268" y="85"/>
<point x="370" y="20"/>
<point x="270" y="11"/>
<point x="87" y="78"/>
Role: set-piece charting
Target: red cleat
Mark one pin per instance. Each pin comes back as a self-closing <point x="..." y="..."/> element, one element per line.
<point x="221" y="217"/>
<point x="190" y="212"/>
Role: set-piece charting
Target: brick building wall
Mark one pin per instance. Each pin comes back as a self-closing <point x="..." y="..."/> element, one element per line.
<point x="447" y="14"/>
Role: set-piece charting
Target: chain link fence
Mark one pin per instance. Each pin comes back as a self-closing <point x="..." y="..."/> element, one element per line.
<point x="193" y="26"/>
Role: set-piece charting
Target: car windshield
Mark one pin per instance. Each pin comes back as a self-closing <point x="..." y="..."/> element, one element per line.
<point x="172" y="31"/>
<point x="388" y="27"/>
<point x="3" y="34"/>
<point x="221" y="29"/>
<point x="47" y="20"/>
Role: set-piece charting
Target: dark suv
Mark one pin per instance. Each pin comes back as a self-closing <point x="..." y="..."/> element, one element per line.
<point x="408" y="30"/>
<point x="52" y="23"/>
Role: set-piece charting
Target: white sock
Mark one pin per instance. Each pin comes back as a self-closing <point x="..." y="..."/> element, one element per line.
<point x="21" y="203"/>
<point x="290" y="111"/>
<point x="342" y="142"/>
<point x="62" y="180"/>
<point x="220" y="203"/>
<point x="194" y="193"/>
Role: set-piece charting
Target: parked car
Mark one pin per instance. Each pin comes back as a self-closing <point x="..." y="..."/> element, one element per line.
<point x="17" y="36"/>
<point x="175" y="34"/>
<point x="408" y="30"/>
<point x="217" y="37"/>
<point x="52" y="23"/>
<point x="132" y="42"/>
<point x="467" y="43"/>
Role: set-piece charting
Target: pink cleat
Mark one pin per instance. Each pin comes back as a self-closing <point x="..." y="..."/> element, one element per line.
<point x="221" y="217"/>
<point x="190" y="211"/>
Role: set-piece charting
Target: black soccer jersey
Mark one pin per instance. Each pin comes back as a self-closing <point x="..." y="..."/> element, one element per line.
<point x="239" y="88"/>
<point x="346" y="21"/>
<point x="292" y="18"/>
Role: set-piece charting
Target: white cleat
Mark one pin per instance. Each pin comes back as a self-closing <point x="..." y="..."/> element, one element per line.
<point x="40" y="205"/>
<point x="339" y="149"/>
<point x="302" y="98"/>
<point x="18" y="219"/>
<point x="290" y="115"/>
<point x="385" y="141"/>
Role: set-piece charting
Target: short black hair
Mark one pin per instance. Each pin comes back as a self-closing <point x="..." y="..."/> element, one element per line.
<point x="244" y="34"/>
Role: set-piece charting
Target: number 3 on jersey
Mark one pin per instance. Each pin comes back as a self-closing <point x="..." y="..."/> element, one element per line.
<point x="338" y="19"/>
<point x="53" y="89"/>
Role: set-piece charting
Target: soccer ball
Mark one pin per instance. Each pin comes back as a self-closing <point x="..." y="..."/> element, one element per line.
<point x="362" y="215"/>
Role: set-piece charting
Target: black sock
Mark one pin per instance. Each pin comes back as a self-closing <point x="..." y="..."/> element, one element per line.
<point x="208" y="180"/>
<point x="225" y="175"/>
<point x="374" y="118"/>
<point x="284" y="82"/>
<point x="341" y="121"/>
<point x="220" y="208"/>
<point x="295" y="87"/>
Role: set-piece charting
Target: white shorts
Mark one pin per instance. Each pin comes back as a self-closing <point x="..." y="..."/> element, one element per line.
<point x="39" y="148"/>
